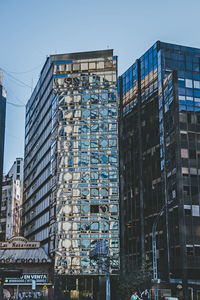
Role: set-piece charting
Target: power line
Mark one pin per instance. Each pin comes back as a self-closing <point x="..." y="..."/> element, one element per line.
<point x="21" y="82"/>
<point x="24" y="72"/>
<point x="10" y="91"/>
<point x="16" y="105"/>
<point x="16" y="79"/>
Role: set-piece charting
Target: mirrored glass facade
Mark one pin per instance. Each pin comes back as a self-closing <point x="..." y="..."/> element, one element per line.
<point x="159" y="120"/>
<point x="87" y="162"/>
<point x="72" y="158"/>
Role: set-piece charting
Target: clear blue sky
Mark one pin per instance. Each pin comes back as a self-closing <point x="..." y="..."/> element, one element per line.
<point x="33" y="29"/>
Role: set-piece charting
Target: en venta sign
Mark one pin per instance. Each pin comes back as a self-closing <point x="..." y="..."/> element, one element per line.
<point x="27" y="279"/>
<point x="19" y="242"/>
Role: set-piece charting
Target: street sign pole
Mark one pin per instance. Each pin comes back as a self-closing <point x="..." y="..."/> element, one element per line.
<point x="108" y="287"/>
<point x="100" y="253"/>
<point x="33" y="284"/>
<point x="155" y="268"/>
<point x="17" y="296"/>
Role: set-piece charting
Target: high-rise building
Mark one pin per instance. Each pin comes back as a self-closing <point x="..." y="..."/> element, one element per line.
<point x="159" y="155"/>
<point x="2" y="127"/>
<point x="71" y="198"/>
<point x="11" y="206"/>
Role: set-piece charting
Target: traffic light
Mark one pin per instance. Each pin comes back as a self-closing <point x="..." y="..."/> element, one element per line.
<point x="1" y="280"/>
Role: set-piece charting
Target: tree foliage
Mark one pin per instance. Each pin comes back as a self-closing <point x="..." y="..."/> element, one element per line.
<point x="137" y="280"/>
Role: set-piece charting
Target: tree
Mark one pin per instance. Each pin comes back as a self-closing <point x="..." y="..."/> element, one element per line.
<point x="137" y="280"/>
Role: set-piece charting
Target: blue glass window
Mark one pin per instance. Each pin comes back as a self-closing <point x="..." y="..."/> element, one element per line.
<point x="104" y="174"/>
<point x="196" y="76"/>
<point x="197" y="102"/>
<point x="196" y="93"/>
<point x="196" y="67"/>
<point x="103" y="159"/>
<point x="181" y="65"/>
<point x="188" y="83"/>
<point x="181" y="91"/>
<point x="189" y="103"/>
<point x="189" y="92"/>
<point x="182" y="102"/>
<point x="189" y="66"/>
<point x="182" y="107"/>
<point x="181" y="83"/>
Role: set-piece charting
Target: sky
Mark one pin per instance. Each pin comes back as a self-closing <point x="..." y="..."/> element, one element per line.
<point x="30" y="30"/>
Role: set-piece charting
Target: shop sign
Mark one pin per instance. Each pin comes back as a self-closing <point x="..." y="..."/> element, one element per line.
<point x="27" y="278"/>
<point x="19" y="242"/>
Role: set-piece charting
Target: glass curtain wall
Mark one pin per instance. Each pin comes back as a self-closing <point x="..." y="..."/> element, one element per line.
<point x="87" y="197"/>
<point x="159" y="149"/>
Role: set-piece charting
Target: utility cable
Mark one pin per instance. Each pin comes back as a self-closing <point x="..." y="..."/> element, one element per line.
<point x="13" y="96"/>
<point x="16" y="105"/>
<point x="24" y="72"/>
<point x="16" y="79"/>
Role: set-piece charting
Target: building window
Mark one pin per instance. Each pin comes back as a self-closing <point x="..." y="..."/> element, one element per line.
<point x="94" y="209"/>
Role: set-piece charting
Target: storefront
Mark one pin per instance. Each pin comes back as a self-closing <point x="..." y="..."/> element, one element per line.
<point x="36" y="279"/>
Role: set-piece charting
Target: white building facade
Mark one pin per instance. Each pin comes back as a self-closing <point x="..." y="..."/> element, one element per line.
<point x="12" y="195"/>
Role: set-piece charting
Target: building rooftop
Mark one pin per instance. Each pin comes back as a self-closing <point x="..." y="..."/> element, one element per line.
<point x="83" y="55"/>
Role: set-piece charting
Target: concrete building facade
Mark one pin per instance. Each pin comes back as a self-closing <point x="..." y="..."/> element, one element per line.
<point x="2" y="127"/>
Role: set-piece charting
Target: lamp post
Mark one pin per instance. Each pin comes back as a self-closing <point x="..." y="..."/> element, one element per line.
<point x="155" y="268"/>
<point x="100" y="253"/>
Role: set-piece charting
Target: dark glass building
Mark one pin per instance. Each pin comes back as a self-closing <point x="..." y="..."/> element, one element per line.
<point x="160" y="163"/>
<point x="2" y="129"/>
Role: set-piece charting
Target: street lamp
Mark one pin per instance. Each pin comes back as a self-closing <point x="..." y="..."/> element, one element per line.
<point x="155" y="268"/>
<point x="100" y="253"/>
